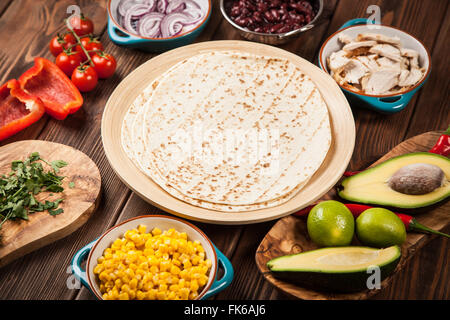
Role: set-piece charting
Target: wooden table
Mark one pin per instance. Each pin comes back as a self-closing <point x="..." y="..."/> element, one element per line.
<point x="26" y="27"/>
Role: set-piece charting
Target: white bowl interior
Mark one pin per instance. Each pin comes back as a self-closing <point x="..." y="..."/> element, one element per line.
<point x="163" y="223"/>
<point x="204" y="4"/>
<point x="408" y="41"/>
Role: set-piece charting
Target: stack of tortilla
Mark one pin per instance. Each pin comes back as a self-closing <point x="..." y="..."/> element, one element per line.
<point x="229" y="131"/>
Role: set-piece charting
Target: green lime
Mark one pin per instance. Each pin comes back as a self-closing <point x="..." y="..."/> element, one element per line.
<point x="378" y="227"/>
<point x="330" y="224"/>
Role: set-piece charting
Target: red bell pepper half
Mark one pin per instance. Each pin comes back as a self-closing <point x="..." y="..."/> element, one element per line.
<point x="48" y="82"/>
<point x="18" y="109"/>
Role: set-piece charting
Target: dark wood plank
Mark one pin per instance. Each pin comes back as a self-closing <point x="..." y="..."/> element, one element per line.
<point x="23" y="278"/>
<point x="433" y="105"/>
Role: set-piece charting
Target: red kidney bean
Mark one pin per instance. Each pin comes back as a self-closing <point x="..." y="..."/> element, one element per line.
<point x="271" y="16"/>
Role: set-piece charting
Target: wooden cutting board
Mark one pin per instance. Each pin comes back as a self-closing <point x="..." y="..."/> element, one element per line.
<point x="289" y="235"/>
<point x="20" y="237"/>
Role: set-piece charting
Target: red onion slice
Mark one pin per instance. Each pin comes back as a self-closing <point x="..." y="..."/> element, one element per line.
<point x="158" y="18"/>
<point x="175" y="6"/>
<point x="172" y="24"/>
<point x="150" y="24"/>
<point x="162" y="6"/>
<point x="135" y="11"/>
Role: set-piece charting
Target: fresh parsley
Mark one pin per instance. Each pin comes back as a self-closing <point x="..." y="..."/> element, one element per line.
<point x="28" y="178"/>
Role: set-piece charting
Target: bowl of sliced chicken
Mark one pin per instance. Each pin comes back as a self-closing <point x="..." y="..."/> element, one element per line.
<point x="378" y="67"/>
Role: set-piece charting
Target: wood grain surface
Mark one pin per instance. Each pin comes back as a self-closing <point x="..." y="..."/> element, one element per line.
<point x="43" y="274"/>
<point x="289" y="235"/>
<point x="20" y="237"/>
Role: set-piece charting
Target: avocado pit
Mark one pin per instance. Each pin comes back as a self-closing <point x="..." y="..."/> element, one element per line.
<point x="417" y="179"/>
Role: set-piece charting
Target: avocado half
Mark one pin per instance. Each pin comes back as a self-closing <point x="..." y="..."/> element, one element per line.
<point x="336" y="269"/>
<point x="371" y="186"/>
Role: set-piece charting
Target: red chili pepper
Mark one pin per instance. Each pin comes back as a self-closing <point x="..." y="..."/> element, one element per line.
<point x="442" y="146"/>
<point x="18" y="109"/>
<point x="411" y="224"/>
<point x="48" y="82"/>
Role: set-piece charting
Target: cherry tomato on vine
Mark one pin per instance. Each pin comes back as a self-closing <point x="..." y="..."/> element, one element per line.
<point x="61" y="42"/>
<point x="68" y="60"/>
<point x="84" y="78"/>
<point x="81" y="25"/>
<point x="89" y="43"/>
<point x="105" y="64"/>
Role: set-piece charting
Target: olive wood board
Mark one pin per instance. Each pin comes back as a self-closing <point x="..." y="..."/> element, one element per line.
<point x="337" y="159"/>
<point x="289" y="235"/>
<point x="19" y="237"/>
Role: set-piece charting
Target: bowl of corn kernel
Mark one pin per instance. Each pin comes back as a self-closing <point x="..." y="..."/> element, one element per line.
<point x="152" y="257"/>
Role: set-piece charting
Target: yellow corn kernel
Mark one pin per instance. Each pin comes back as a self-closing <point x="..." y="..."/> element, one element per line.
<point x="125" y="288"/>
<point x="184" y="293"/>
<point x="161" y="295"/>
<point x="193" y="295"/>
<point x="124" y="296"/>
<point x="140" y="295"/>
<point x="175" y="270"/>
<point x="194" y="285"/>
<point x="151" y="294"/>
<point x="142" y="228"/>
<point x="156" y="231"/>
<point x="133" y="283"/>
<point x="174" y="287"/>
<point x="98" y="269"/>
<point x="171" y="296"/>
<point x="118" y="283"/>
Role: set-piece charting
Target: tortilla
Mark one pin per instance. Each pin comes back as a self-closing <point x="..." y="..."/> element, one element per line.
<point x="268" y="131"/>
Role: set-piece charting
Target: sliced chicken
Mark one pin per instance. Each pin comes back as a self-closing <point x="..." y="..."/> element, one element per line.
<point x="410" y="53"/>
<point x="380" y="82"/>
<point x="413" y="56"/>
<point x="386" y="50"/>
<point x="354" y="70"/>
<point x="369" y="62"/>
<point x="337" y="60"/>
<point x="358" y="44"/>
<point x="344" y="38"/>
<point x="410" y="78"/>
<point x="386" y="63"/>
<point x="375" y="64"/>
<point x="379" y="38"/>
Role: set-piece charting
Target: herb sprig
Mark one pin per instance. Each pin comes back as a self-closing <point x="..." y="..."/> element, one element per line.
<point x="27" y="179"/>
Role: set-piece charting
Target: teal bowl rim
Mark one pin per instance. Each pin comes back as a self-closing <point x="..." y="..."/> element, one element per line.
<point x="186" y="34"/>
<point x="413" y="89"/>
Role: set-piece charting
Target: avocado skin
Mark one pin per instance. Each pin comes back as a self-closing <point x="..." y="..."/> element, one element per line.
<point x="343" y="282"/>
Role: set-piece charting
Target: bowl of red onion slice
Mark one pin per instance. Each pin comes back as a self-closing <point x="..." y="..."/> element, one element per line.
<point x="271" y="21"/>
<point x="156" y="25"/>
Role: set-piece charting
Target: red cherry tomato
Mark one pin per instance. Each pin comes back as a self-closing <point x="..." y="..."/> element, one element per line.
<point x="61" y="42"/>
<point x="90" y="44"/>
<point x="81" y="25"/>
<point x="105" y="64"/>
<point x="67" y="61"/>
<point x="84" y="78"/>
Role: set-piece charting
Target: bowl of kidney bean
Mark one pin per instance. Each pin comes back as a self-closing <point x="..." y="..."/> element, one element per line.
<point x="271" y="21"/>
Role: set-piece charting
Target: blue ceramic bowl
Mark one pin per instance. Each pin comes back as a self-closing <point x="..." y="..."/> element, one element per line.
<point x="95" y="249"/>
<point x="123" y="38"/>
<point x="386" y="104"/>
